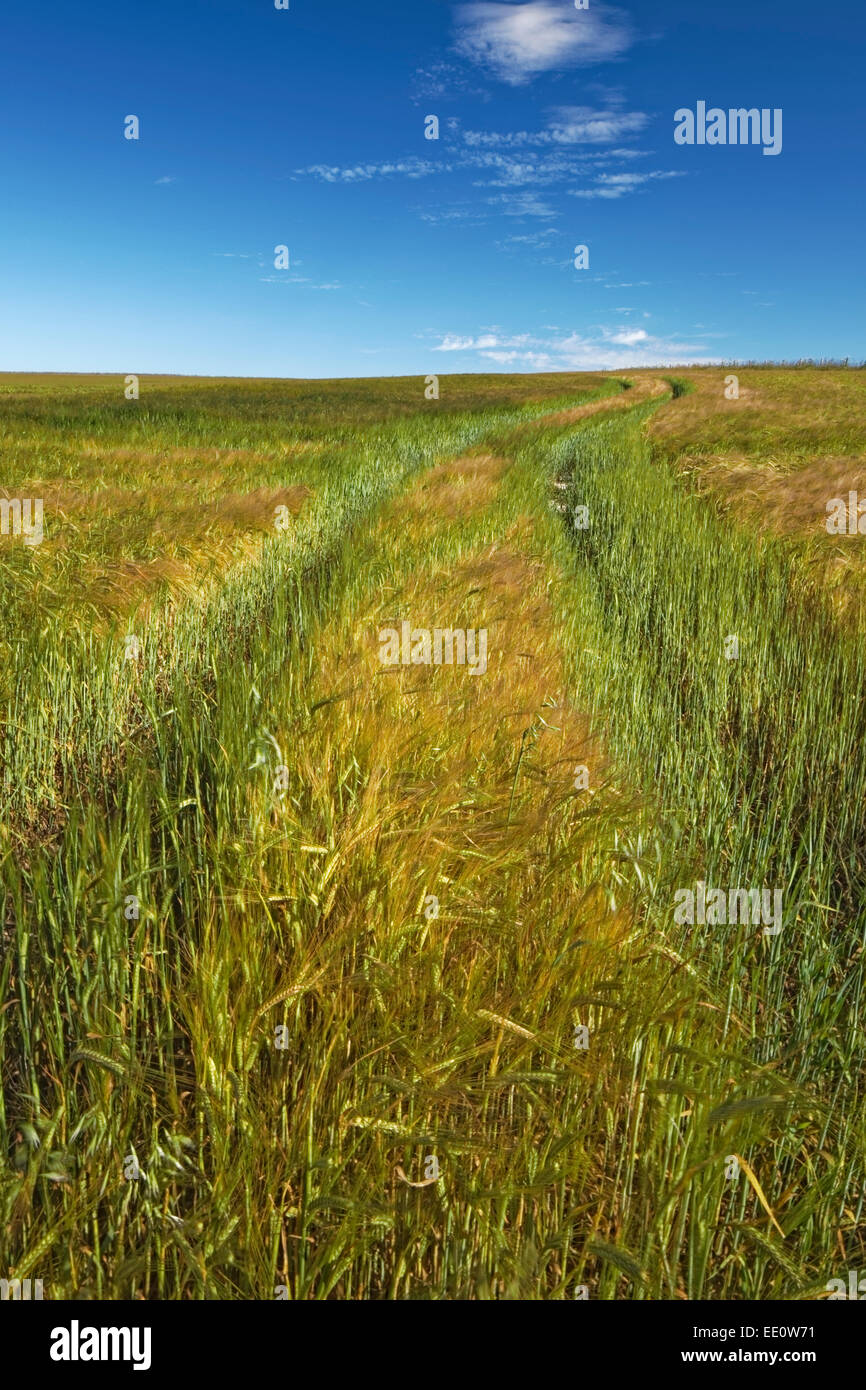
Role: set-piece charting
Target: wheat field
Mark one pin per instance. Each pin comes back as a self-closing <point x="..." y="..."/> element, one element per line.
<point x="328" y="978"/>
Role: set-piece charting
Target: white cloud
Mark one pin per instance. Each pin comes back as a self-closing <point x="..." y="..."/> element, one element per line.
<point x="516" y="42"/>
<point x="580" y="125"/>
<point x="507" y="169"/>
<point x="511" y="170"/>
<point x="537" y="359"/>
<point x="630" y="337"/>
<point x="485" y="343"/>
<point x="617" y="185"/>
<point x="298" y="280"/>
<point x="443" y="81"/>
<point x="608" y="349"/>
<point x="568" y="125"/>
<point x="552" y="168"/>
<point x="632" y="180"/>
<point x="530" y="238"/>
<point x="510" y="159"/>
<point x="362" y="173"/>
<point x="458" y="213"/>
<point x="521" y="205"/>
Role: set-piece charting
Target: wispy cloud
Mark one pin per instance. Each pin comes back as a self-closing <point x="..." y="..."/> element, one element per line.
<point x="522" y="205"/>
<point x="512" y="170"/>
<point x="581" y="125"/>
<point x="361" y="173"/>
<point x="459" y="212"/>
<point x="304" y="280"/>
<point x="539" y="238"/>
<point x="608" y="349"/>
<point x="512" y="159"/>
<point x="166" y="178"/>
<point x="517" y="42"/>
<point x="630" y="337"/>
<point x="618" y="185"/>
<point x="568" y="125"/>
<point x="507" y="168"/>
<point x="441" y="81"/>
<point x="485" y="343"/>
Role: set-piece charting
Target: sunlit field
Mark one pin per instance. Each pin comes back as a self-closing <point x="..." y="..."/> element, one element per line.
<point x="324" y="977"/>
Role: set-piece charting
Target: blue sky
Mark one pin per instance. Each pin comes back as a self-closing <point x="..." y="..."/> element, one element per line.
<point x="305" y="128"/>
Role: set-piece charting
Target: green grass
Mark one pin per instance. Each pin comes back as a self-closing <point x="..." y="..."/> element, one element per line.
<point x="411" y="1035"/>
<point x="65" y="684"/>
<point x="754" y="773"/>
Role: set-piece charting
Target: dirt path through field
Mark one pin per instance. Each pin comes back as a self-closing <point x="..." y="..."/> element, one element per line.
<point x="642" y="389"/>
<point x="478" y="774"/>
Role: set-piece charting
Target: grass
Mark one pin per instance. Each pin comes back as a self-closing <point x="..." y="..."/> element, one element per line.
<point x="774" y="458"/>
<point x="257" y="827"/>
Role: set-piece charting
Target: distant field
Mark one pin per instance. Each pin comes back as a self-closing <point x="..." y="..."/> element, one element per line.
<point x="367" y="981"/>
<point x="794" y="439"/>
<point x="137" y="492"/>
